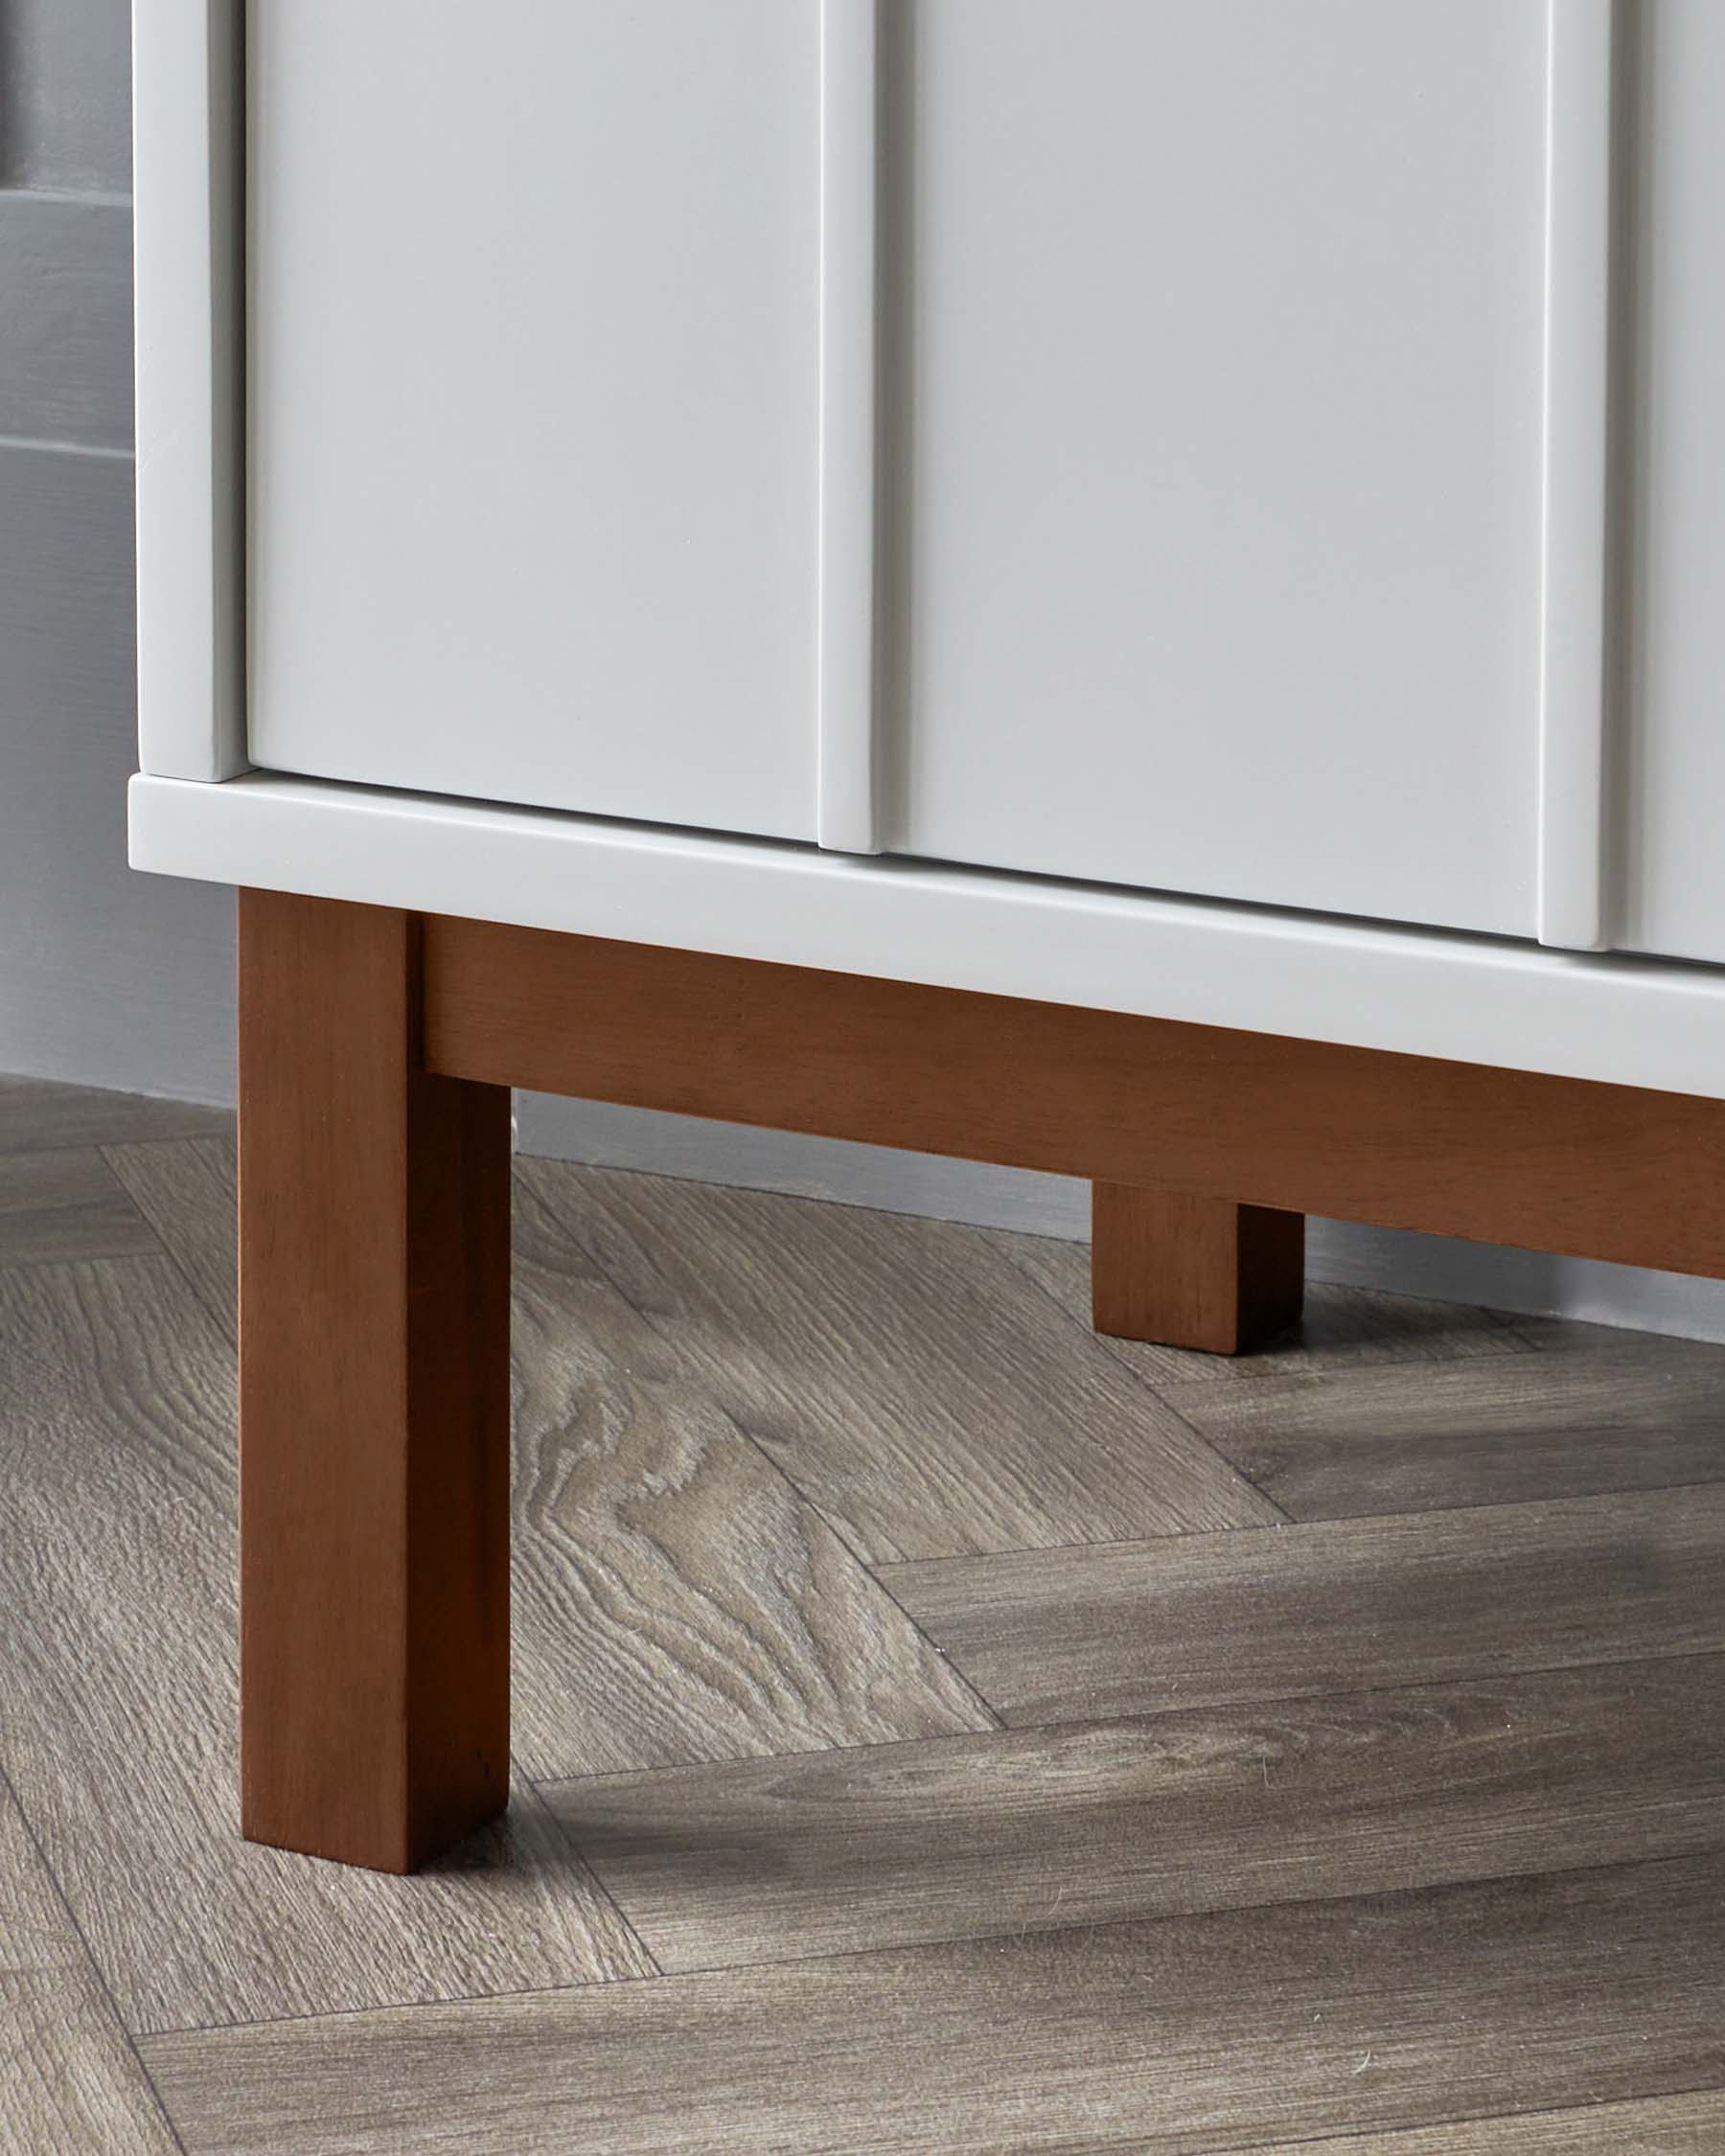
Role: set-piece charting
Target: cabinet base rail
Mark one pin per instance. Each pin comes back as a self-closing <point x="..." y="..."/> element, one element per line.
<point x="377" y="1049"/>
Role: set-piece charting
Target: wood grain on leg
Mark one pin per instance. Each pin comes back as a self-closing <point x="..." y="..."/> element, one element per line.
<point x="374" y="1270"/>
<point x="1192" y="1272"/>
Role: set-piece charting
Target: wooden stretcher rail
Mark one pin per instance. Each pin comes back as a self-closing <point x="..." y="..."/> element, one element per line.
<point x="1559" y="1164"/>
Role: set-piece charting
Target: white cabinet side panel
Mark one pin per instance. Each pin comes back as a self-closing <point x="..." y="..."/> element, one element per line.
<point x="1673" y="812"/>
<point x="188" y="177"/>
<point x="1225" y="361"/>
<point x="534" y="317"/>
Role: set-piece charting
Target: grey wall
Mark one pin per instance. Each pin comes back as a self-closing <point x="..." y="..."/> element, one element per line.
<point x="106" y="978"/>
<point x="112" y="979"/>
<point x="65" y="95"/>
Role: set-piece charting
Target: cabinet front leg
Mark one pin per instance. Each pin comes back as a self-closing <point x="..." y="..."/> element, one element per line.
<point x="1193" y="1271"/>
<point x="374" y="1400"/>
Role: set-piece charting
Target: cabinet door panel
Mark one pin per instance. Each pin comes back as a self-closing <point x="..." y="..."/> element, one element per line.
<point x="1221" y="393"/>
<point x="532" y="401"/>
<point x="1673" y="690"/>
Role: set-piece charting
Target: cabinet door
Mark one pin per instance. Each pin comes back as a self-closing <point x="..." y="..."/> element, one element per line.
<point x="1671" y="811"/>
<point x="532" y="383"/>
<point x="1219" y="387"/>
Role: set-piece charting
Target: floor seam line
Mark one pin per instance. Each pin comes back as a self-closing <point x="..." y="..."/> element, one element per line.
<point x="127" y="2035"/>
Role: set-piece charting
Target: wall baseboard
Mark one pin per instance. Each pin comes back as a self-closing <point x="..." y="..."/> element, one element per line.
<point x="1526" y="1282"/>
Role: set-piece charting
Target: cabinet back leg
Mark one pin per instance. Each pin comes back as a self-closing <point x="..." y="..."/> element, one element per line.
<point x="374" y="1400"/>
<point x="1193" y="1271"/>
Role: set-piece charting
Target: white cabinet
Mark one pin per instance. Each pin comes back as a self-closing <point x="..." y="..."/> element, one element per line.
<point x="1180" y="452"/>
<point x="532" y="381"/>
<point x="1124" y="587"/>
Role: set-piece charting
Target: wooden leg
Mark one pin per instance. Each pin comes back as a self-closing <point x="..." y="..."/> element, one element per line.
<point x="374" y="1400"/>
<point x="1193" y="1271"/>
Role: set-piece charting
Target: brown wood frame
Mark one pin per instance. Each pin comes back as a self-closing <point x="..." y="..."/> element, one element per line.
<point x="377" y="1048"/>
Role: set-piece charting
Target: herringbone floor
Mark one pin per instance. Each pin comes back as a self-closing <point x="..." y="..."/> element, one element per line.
<point x="938" y="1728"/>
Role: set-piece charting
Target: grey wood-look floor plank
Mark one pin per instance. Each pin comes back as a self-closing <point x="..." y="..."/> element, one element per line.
<point x="69" y="2079"/>
<point x="186" y="1189"/>
<point x="1678" y="2125"/>
<point x="1078" y="1936"/>
<point x="1414" y="1598"/>
<point x="67" y="1204"/>
<point x="38" y="1113"/>
<point x="1223" y="1808"/>
<point x="1343" y="1328"/>
<point x="1646" y="1415"/>
<point x="1186" y="2035"/>
<point x="118" y="1705"/>
<point x="906" y="1376"/>
<point x="677" y="1598"/>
